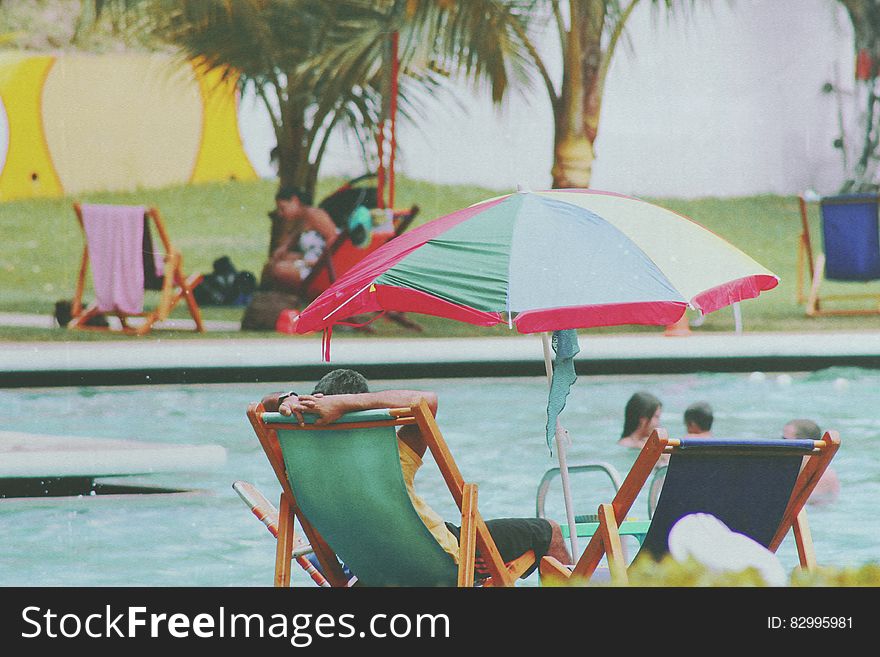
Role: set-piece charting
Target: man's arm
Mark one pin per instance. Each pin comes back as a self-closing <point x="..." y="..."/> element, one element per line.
<point x="330" y="408"/>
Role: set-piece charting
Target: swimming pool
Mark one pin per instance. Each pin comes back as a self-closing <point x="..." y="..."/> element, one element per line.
<point x="494" y="427"/>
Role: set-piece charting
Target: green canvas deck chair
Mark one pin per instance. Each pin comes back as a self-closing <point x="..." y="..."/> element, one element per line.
<point x="850" y="253"/>
<point x="342" y="482"/>
<point x="756" y="487"/>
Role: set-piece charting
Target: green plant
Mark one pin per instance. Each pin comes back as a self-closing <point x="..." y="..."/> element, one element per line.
<point x="859" y="148"/>
<point x="670" y="573"/>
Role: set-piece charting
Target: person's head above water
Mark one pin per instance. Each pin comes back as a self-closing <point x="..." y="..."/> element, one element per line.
<point x="641" y="415"/>
<point x="802" y="429"/>
<point x="698" y="418"/>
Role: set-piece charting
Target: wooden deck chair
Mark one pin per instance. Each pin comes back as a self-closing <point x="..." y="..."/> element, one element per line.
<point x="119" y="246"/>
<point x="343" y="483"/>
<point x="756" y="487"/>
<point x="343" y="254"/>
<point x="851" y="252"/>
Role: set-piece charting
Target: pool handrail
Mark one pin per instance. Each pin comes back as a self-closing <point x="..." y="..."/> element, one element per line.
<point x="587" y="466"/>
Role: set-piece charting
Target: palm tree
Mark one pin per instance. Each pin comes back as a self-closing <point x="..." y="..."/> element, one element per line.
<point x="589" y="32"/>
<point x="319" y="66"/>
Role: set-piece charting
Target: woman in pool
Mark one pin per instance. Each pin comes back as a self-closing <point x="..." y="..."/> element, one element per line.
<point x="640" y="417"/>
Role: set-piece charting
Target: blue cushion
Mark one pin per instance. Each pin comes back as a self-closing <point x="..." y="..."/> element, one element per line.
<point x="851" y="239"/>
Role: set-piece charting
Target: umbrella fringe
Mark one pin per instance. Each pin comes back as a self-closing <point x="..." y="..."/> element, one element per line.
<point x="328" y="333"/>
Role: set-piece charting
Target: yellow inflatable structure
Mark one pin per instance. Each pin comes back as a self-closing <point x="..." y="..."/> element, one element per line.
<point x="79" y="123"/>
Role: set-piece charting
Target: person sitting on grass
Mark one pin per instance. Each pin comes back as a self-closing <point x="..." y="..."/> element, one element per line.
<point x="344" y="391"/>
<point x="698" y="420"/>
<point x="306" y="232"/>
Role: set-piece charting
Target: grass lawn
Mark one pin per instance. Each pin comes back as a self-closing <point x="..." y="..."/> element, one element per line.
<point x="40" y="252"/>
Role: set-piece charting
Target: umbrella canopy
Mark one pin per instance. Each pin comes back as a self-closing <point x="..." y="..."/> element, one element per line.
<point x="545" y="261"/>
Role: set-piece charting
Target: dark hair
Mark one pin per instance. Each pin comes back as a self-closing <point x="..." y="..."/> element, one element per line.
<point x="286" y="192"/>
<point x="641" y="404"/>
<point x="342" y="382"/>
<point x="806" y="429"/>
<point x="699" y="414"/>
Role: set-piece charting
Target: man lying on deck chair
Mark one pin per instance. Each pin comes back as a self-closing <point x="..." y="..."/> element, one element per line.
<point x="345" y="391"/>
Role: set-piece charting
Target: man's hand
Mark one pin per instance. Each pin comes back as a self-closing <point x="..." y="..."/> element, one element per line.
<point x="328" y="409"/>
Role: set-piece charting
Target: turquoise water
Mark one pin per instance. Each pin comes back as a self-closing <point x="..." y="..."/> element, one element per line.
<point x="494" y="427"/>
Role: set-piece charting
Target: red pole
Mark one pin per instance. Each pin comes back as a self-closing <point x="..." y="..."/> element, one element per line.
<point x="380" y="173"/>
<point x="394" y="73"/>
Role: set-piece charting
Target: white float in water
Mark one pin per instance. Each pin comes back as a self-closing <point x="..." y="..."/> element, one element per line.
<point x="783" y="379"/>
<point x="840" y="383"/>
<point x="757" y="377"/>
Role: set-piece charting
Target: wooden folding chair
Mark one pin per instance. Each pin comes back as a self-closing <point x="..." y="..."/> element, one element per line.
<point x="756" y="487"/>
<point x="173" y="285"/>
<point x="851" y="253"/>
<point x="343" y="483"/>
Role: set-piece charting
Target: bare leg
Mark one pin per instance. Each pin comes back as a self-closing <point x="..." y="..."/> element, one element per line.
<point x="286" y="273"/>
<point x="558" y="548"/>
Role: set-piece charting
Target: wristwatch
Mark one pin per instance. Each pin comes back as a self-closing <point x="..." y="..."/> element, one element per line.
<point x="285" y="395"/>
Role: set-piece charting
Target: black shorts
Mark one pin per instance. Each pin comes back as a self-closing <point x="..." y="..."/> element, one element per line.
<point x="514" y="537"/>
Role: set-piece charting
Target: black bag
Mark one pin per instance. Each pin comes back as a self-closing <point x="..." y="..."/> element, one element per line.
<point x="226" y="286"/>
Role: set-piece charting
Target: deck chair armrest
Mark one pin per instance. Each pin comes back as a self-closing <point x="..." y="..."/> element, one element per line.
<point x="521" y="564"/>
<point x="405" y="219"/>
<point x="553" y="572"/>
<point x="610" y="532"/>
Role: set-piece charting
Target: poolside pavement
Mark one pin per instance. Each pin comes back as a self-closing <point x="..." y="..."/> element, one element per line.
<point x="135" y="360"/>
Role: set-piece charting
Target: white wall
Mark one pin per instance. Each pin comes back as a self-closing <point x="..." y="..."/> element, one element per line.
<point x="723" y="101"/>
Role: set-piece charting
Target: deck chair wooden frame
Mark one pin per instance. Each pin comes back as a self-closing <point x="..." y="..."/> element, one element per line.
<point x="176" y="286"/>
<point x="474" y="532"/>
<point x="811" y="273"/>
<point x="402" y="219"/>
<point x="606" y="541"/>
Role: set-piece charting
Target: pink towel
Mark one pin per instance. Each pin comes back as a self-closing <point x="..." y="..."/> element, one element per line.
<point x="114" y="234"/>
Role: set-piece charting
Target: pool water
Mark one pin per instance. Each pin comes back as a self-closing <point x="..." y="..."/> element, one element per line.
<point x="495" y="430"/>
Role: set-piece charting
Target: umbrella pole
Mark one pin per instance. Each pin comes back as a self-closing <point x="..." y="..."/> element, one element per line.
<point x="560" y="453"/>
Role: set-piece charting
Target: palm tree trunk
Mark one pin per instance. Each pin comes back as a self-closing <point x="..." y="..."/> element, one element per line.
<point x="293" y="169"/>
<point x="576" y="115"/>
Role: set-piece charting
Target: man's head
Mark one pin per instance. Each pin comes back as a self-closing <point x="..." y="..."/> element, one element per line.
<point x="342" y="382"/>
<point x="802" y="429"/>
<point x="290" y="201"/>
<point x="698" y="417"/>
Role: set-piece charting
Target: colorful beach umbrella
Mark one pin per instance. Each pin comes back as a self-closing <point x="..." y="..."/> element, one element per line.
<point x="547" y="261"/>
